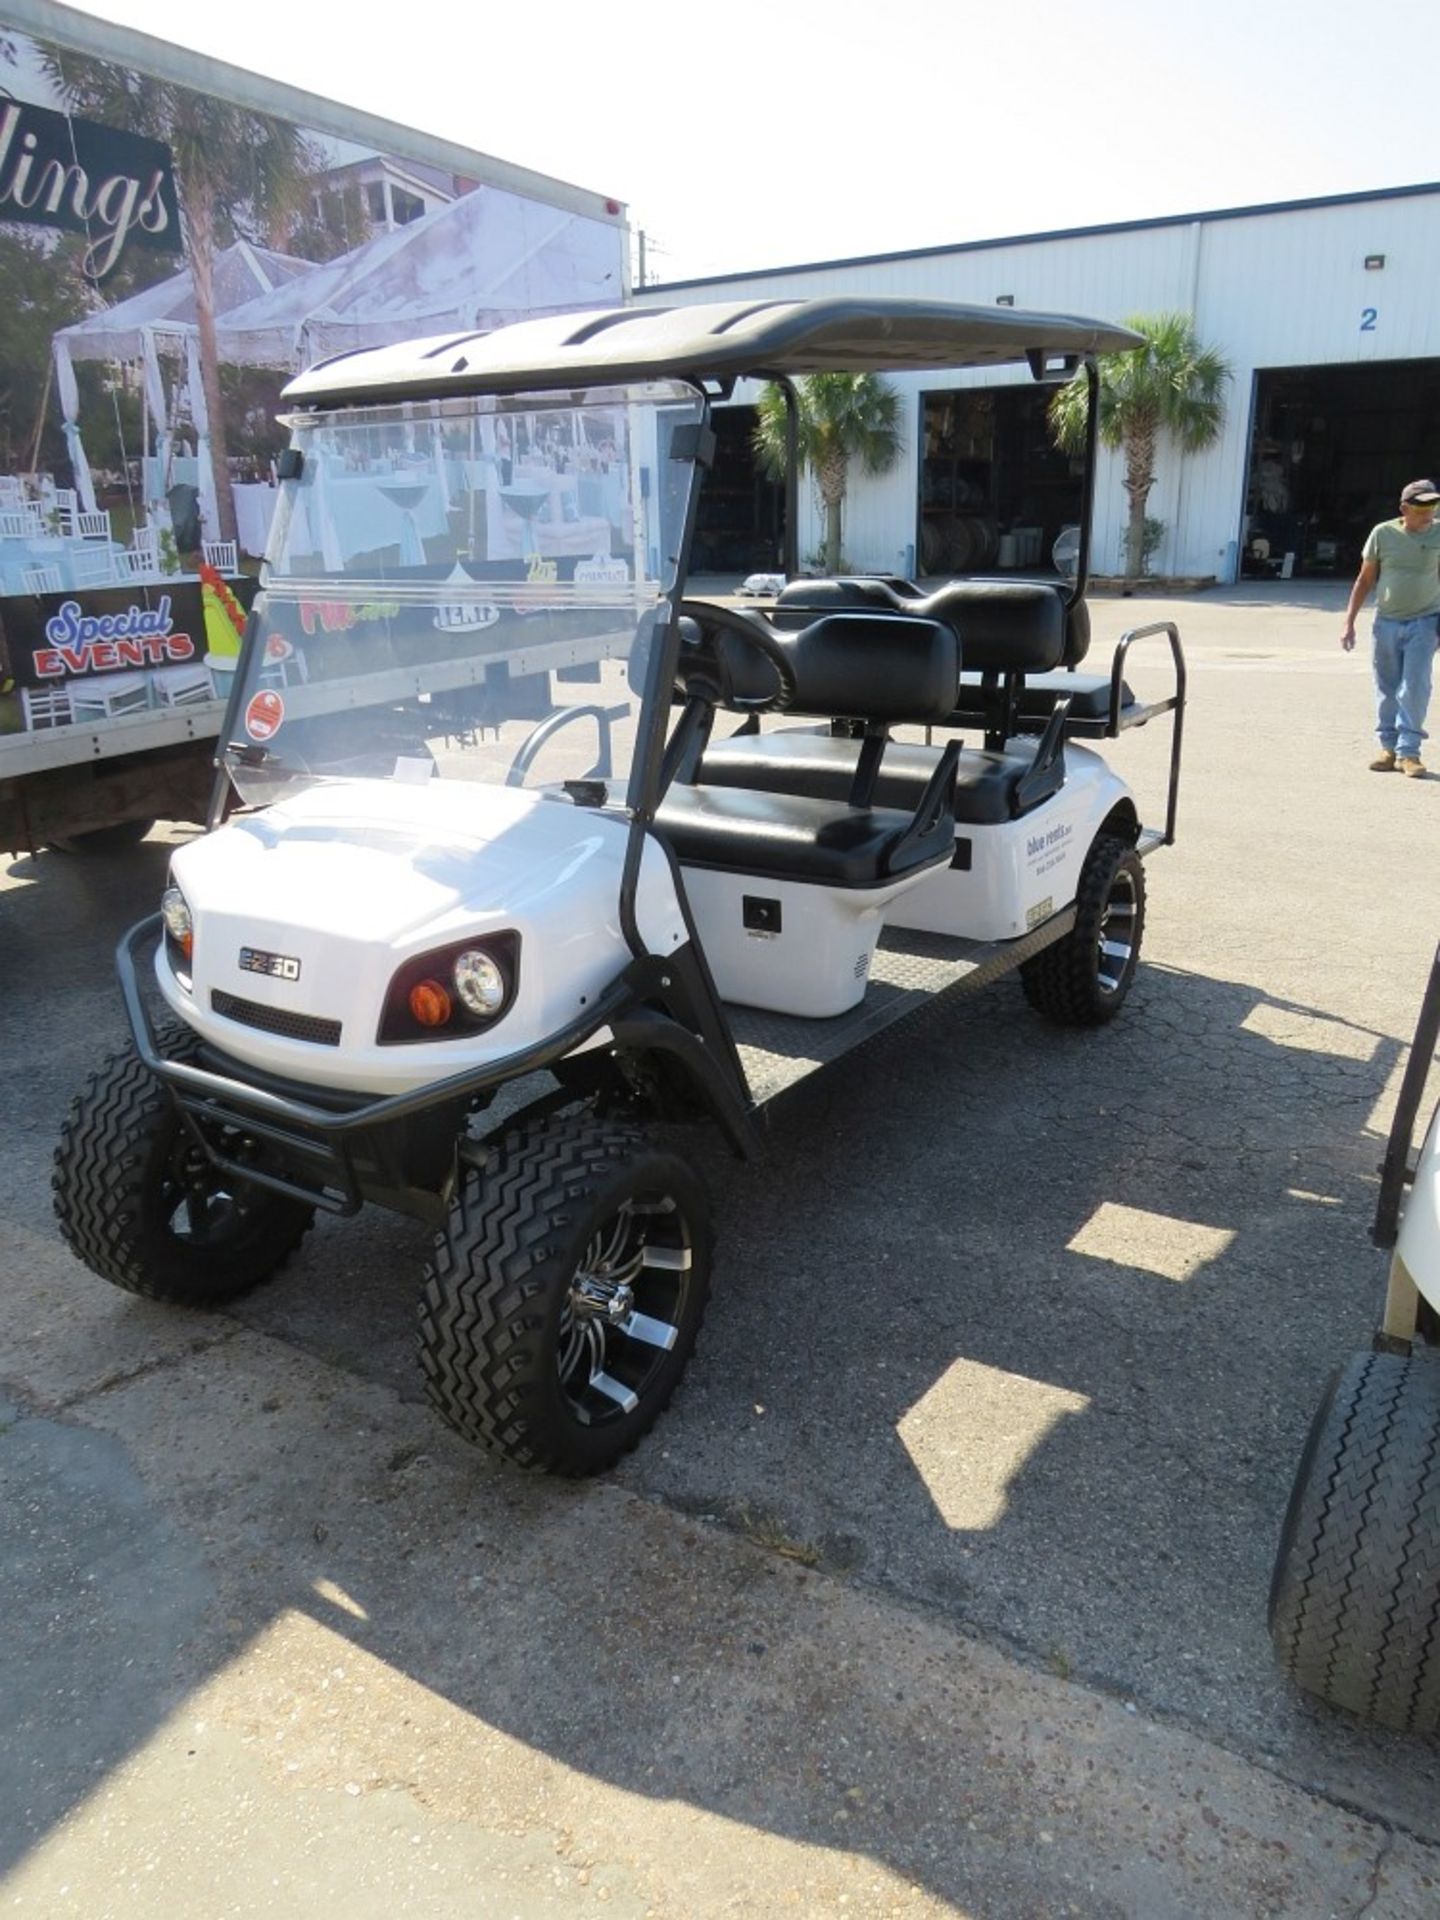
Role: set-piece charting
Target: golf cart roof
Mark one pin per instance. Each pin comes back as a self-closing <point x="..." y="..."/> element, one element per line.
<point x="722" y="340"/>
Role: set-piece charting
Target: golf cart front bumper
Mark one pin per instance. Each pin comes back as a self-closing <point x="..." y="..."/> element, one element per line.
<point x="335" y="1150"/>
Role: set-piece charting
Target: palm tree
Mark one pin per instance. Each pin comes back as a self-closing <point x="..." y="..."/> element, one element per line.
<point x="227" y="158"/>
<point x="842" y="417"/>
<point x="1170" y="386"/>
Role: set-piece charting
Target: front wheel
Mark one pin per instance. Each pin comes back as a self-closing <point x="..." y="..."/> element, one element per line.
<point x="565" y="1294"/>
<point x="142" y="1205"/>
<point x="1085" y="979"/>
<point x="1355" y="1597"/>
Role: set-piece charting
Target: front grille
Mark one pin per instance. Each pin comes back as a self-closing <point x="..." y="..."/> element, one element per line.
<point x="290" y="1026"/>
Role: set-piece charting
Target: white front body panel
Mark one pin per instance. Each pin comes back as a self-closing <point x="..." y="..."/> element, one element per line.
<point x="1021" y="871"/>
<point x="1419" y="1242"/>
<point x="350" y="880"/>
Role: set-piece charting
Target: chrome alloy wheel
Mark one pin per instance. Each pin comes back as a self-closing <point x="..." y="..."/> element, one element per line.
<point x="1115" y="946"/>
<point x="624" y="1309"/>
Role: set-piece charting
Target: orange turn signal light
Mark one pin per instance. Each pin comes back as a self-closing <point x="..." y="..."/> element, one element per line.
<point x="429" y="1003"/>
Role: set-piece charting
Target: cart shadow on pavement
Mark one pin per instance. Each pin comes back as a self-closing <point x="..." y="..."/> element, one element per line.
<point x="1019" y="1328"/>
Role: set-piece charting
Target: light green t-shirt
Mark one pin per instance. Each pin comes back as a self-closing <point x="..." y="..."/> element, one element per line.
<point x="1409" y="569"/>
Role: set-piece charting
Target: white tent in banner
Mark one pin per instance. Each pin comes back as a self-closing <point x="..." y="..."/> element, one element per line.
<point x="161" y="319"/>
<point x="474" y="263"/>
<point x="479" y="261"/>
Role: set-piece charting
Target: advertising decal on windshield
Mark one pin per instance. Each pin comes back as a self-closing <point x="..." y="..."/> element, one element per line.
<point x="264" y="715"/>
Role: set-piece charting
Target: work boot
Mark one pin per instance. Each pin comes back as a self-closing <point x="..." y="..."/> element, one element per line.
<point x="1412" y="766"/>
<point x="1384" y="763"/>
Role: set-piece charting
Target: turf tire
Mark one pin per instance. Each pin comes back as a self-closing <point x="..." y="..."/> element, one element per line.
<point x="1355" y="1598"/>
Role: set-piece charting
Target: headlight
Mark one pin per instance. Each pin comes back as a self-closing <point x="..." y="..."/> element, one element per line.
<point x="452" y="993"/>
<point x="479" y="983"/>
<point x="175" y="911"/>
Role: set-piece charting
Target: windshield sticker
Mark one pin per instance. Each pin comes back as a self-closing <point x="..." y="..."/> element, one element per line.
<point x="602" y="571"/>
<point x="264" y="715"/>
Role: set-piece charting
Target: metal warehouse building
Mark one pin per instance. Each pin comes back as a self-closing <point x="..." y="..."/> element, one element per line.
<point x="1325" y="309"/>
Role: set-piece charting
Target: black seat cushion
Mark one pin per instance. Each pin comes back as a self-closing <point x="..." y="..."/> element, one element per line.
<point x="1035" y="698"/>
<point x="790" y="836"/>
<point x="821" y="767"/>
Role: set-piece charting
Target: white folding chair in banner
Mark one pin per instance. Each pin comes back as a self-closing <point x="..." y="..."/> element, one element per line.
<point x="94" y="526"/>
<point x="182" y="686"/>
<point x="41" y="579"/>
<point x="222" y="555"/>
<point x="46" y="706"/>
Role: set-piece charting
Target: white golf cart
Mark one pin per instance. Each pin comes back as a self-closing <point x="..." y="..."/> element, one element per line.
<point x="496" y="801"/>
<point x="1355" y="1599"/>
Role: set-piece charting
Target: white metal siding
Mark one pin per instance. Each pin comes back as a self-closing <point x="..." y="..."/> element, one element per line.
<point x="1283" y="288"/>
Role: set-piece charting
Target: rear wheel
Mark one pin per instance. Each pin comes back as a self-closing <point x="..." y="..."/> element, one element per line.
<point x="1355" y="1598"/>
<point x="1085" y="979"/>
<point x="99" y="841"/>
<point x="565" y="1294"/>
<point x="143" y="1206"/>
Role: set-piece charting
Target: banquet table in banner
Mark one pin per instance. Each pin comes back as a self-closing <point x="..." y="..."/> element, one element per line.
<point x="339" y="516"/>
<point x="79" y="563"/>
<point x="254" y="510"/>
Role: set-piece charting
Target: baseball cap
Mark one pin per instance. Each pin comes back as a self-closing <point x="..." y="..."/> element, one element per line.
<point x="1420" y="493"/>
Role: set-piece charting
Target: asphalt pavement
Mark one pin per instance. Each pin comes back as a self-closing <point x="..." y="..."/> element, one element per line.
<point x="940" y="1589"/>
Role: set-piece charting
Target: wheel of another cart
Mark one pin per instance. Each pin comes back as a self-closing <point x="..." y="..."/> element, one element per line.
<point x="565" y="1294"/>
<point x="1355" y="1598"/>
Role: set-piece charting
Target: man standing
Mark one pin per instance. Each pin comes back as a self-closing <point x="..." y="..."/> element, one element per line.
<point x="1404" y="556"/>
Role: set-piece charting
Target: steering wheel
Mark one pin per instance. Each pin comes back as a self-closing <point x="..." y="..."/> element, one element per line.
<point x="752" y="629"/>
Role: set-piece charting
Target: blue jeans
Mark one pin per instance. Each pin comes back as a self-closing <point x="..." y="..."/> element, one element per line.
<point x="1404" y="662"/>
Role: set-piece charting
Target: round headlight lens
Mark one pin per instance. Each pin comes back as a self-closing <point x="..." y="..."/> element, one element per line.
<point x="480" y="984"/>
<point x="175" y="912"/>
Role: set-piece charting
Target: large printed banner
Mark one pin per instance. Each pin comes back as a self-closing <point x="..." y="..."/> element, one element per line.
<point x="59" y="170"/>
<point x="168" y="259"/>
<point x="76" y="659"/>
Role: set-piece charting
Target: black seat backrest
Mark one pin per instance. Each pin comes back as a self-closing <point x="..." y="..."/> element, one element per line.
<point x="1004" y="626"/>
<point x="853" y="664"/>
<point x="874" y="666"/>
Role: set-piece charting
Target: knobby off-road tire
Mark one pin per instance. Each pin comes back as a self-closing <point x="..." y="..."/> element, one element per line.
<point x="565" y="1294"/>
<point x="1355" y="1599"/>
<point x="141" y="1205"/>
<point x="1084" y="979"/>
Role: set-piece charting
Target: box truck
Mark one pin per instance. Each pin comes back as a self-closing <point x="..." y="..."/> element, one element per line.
<point x="177" y="239"/>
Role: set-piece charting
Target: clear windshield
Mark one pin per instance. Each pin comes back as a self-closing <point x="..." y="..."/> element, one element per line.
<point x="464" y="589"/>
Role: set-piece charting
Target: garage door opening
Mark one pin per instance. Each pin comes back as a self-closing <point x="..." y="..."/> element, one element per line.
<point x="1330" y="449"/>
<point x="996" y="493"/>
<point x="740" y="516"/>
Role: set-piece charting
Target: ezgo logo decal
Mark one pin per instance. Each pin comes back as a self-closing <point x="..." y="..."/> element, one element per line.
<point x="264" y="715"/>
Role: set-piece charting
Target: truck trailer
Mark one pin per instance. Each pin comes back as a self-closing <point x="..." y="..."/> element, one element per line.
<point x="178" y="238"/>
